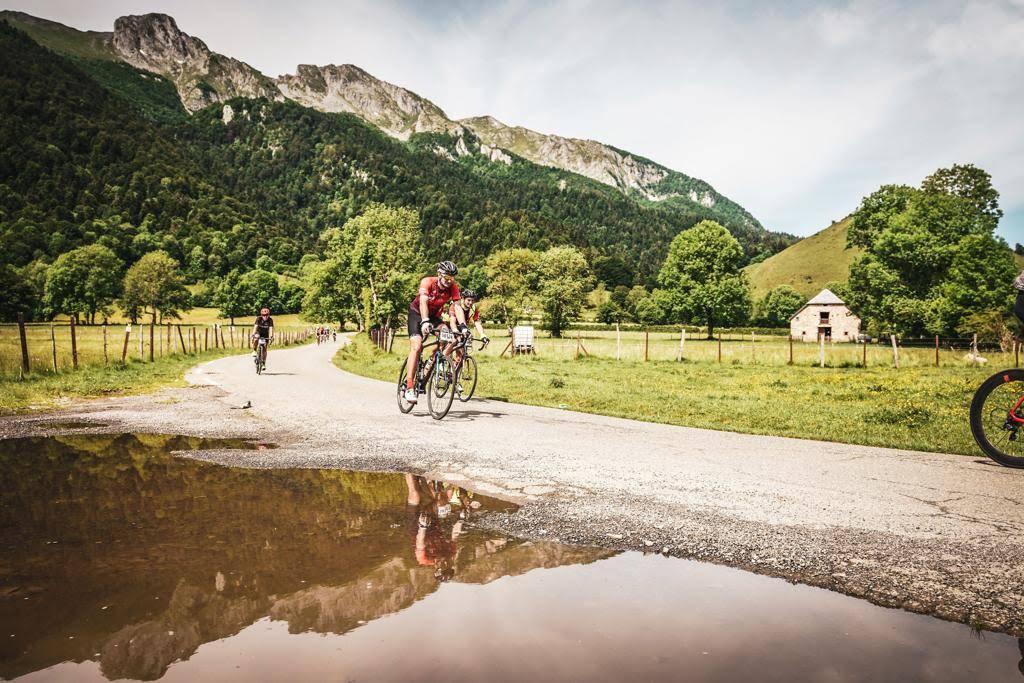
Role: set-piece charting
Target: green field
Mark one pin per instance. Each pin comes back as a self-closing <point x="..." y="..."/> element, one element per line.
<point x="918" y="407"/>
<point x="807" y="265"/>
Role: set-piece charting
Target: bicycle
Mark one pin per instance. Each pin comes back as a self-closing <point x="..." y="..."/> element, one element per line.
<point x="465" y="369"/>
<point x="997" y="415"/>
<point x="261" y="355"/>
<point x="435" y="377"/>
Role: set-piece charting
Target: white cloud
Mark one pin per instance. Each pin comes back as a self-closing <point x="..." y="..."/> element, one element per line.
<point x="794" y="110"/>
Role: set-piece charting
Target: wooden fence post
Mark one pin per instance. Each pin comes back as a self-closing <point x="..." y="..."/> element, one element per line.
<point x="936" y="350"/>
<point x="24" y="342"/>
<point x="719" y="347"/>
<point x="151" y="326"/>
<point x="895" y="351"/>
<point x="74" y="345"/>
<point x="142" y="331"/>
<point x="124" y="349"/>
<point x="1016" y="354"/>
<point x="682" y="343"/>
<point x="821" y="349"/>
<point x="206" y="338"/>
<point x="106" y="361"/>
<point x="790" y="348"/>
<point x="53" y="347"/>
<point x="160" y="342"/>
<point x="181" y="340"/>
<point x="618" y="342"/>
<point x="647" y="343"/>
<point x="864" y="363"/>
<point x="221" y="329"/>
<point x="753" y="357"/>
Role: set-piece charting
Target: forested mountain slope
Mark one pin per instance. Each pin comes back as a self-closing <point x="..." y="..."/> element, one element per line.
<point x="93" y="150"/>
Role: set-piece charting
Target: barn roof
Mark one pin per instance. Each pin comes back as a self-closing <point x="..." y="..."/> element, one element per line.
<point x="826" y="297"/>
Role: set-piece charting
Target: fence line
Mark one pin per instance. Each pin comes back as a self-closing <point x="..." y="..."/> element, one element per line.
<point x="54" y="347"/>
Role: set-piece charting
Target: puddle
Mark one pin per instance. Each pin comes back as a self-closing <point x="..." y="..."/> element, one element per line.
<point x="118" y="560"/>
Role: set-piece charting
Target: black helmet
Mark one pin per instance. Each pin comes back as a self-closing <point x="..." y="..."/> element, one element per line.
<point x="469" y="294"/>
<point x="447" y="268"/>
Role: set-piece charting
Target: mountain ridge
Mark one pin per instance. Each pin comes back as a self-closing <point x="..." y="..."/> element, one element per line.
<point x="154" y="43"/>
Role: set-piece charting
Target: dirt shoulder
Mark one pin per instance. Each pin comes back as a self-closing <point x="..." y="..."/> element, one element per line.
<point x="932" y="533"/>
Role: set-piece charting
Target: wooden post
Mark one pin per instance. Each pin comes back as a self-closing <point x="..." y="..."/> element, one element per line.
<point x="53" y="347"/>
<point x="576" y="357"/>
<point x="790" y="348"/>
<point x="1016" y="354"/>
<point x="618" y="342"/>
<point x="124" y="349"/>
<point x="221" y="329"/>
<point x="142" y="331"/>
<point x="719" y="347"/>
<point x="753" y="358"/>
<point x="151" y="326"/>
<point x="682" y="343"/>
<point x="24" y="342"/>
<point x="206" y="339"/>
<point x="936" y="350"/>
<point x="160" y="345"/>
<point x="647" y="343"/>
<point x="74" y="345"/>
<point x="181" y="340"/>
<point x="231" y="333"/>
<point x="106" y="361"/>
<point x="821" y="349"/>
<point x="895" y="351"/>
<point x="864" y="363"/>
<point x="511" y="344"/>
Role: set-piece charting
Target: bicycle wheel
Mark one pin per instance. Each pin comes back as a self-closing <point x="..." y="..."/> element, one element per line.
<point x="441" y="389"/>
<point x="403" y="405"/>
<point x="997" y="406"/>
<point x="467" y="379"/>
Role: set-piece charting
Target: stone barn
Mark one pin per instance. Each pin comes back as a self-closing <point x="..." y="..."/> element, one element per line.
<point x="827" y="315"/>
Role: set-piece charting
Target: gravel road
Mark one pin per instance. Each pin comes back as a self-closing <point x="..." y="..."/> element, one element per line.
<point x="932" y="533"/>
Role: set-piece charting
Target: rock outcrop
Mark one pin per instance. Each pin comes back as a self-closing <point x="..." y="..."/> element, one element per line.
<point x="155" y="43"/>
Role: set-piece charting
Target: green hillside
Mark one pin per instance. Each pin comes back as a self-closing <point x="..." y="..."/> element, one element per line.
<point x="807" y="265"/>
<point x="81" y="165"/>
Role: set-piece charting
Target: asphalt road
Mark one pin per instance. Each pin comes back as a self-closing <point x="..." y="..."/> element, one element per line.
<point x="934" y="533"/>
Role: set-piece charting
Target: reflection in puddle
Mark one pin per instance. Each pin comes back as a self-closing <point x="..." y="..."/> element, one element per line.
<point x="121" y="561"/>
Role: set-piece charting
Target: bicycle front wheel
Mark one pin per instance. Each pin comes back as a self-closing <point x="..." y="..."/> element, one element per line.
<point x="467" y="379"/>
<point x="441" y="389"/>
<point x="997" y="417"/>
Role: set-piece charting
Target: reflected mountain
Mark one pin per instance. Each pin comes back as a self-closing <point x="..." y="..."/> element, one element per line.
<point x="112" y="546"/>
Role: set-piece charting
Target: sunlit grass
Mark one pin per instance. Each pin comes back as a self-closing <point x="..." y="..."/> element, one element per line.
<point x="917" y="407"/>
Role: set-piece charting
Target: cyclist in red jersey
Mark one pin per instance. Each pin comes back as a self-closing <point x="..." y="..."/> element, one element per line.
<point x="425" y="314"/>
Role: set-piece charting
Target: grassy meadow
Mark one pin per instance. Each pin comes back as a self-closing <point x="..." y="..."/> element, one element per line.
<point x="52" y="377"/>
<point x="918" y="407"/>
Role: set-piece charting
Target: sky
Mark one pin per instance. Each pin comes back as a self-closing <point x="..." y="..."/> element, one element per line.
<point x="795" y="110"/>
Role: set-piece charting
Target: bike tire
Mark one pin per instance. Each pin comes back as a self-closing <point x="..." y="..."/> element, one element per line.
<point x="988" y="411"/>
<point x="468" y="385"/>
<point x="403" y="405"/>
<point x="441" y="388"/>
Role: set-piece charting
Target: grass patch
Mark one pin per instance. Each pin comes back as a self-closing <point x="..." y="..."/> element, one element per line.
<point x="44" y="390"/>
<point x="919" y="408"/>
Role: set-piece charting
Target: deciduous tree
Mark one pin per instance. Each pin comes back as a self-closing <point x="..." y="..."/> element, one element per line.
<point x="702" y="273"/>
<point x="154" y="282"/>
<point x="85" y="280"/>
<point x="564" y="280"/>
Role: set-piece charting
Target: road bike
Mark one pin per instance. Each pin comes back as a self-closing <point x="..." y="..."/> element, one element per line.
<point x="438" y="376"/>
<point x="997" y="415"/>
<point x="465" y="369"/>
<point x="435" y="377"/>
<point x="261" y="355"/>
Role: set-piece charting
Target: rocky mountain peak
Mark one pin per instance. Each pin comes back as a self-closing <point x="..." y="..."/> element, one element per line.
<point x="348" y="88"/>
<point x="154" y="41"/>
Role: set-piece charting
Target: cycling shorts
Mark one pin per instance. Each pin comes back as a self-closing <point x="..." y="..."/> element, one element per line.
<point x="415" y="320"/>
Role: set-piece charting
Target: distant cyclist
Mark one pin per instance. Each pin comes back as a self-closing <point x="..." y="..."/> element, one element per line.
<point x="263" y="328"/>
<point x="435" y="293"/>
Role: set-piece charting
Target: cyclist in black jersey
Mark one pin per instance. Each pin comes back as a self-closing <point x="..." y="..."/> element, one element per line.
<point x="263" y="328"/>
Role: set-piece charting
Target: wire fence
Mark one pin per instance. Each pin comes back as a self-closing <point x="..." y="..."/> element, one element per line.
<point x="763" y="349"/>
<point x="54" y="347"/>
